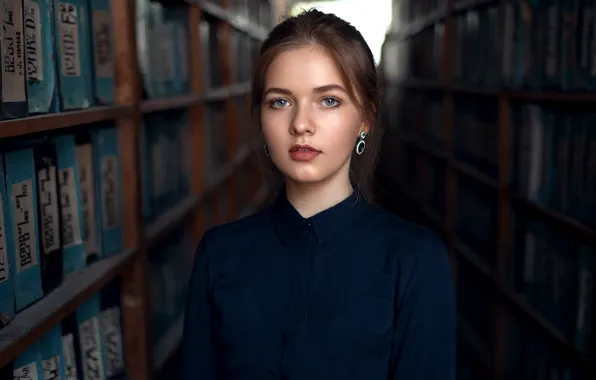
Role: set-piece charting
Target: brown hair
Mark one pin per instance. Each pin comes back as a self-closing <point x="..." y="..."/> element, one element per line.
<point x="355" y="62"/>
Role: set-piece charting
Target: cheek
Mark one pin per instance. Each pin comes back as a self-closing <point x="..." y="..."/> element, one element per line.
<point x="274" y="129"/>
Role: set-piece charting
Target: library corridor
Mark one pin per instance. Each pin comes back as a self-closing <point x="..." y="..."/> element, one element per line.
<point x="126" y="133"/>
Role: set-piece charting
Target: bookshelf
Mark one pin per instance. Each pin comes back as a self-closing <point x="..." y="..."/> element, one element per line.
<point x="489" y="136"/>
<point x="174" y="115"/>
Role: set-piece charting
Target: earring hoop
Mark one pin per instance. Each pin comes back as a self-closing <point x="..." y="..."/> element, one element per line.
<point x="266" y="150"/>
<point x="361" y="145"/>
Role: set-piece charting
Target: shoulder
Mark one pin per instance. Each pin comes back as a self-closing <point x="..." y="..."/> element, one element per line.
<point x="410" y="244"/>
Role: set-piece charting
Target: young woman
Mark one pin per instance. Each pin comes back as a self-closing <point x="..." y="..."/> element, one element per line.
<point x="321" y="285"/>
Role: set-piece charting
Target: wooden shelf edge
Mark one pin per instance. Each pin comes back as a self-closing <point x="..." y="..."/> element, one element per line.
<point x="61" y="120"/>
<point x="225" y="92"/>
<point x="165" y="104"/>
<point x="170" y="219"/>
<point x="238" y="22"/>
<point x="32" y="323"/>
<point x="523" y="308"/>
<point x="168" y="344"/>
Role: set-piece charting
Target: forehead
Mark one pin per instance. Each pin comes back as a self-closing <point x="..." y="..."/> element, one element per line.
<point x="302" y="69"/>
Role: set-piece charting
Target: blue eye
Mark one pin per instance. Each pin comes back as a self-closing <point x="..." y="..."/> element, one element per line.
<point x="279" y="103"/>
<point x="330" y="102"/>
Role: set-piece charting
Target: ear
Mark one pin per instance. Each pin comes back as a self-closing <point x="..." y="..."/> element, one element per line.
<point x="364" y="126"/>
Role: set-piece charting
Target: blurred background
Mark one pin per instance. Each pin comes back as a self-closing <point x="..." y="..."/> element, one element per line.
<point x="125" y="134"/>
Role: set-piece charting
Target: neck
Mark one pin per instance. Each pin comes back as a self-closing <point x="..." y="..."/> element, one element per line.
<point x="311" y="198"/>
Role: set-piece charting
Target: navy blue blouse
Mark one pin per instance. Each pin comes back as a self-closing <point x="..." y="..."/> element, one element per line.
<point x="350" y="293"/>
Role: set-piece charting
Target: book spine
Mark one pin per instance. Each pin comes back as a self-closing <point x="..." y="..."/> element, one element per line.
<point x="111" y="328"/>
<point x="28" y="365"/>
<point x="42" y="79"/>
<point x="89" y="331"/>
<point x="22" y="190"/>
<point x="71" y="348"/>
<point x="50" y="347"/>
<point x="7" y="274"/>
<point x="14" y="89"/>
<point x="110" y="189"/>
<point x="49" y="216"/>
<point x="71" y="23"/>
<point x="103" y="51"/>
<point x="89" y="213"/>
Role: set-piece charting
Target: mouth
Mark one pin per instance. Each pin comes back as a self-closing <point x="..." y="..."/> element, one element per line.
<point x="303" y="148"/>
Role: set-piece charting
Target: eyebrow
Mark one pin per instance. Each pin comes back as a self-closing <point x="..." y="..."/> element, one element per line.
<point x="320" y="89"/>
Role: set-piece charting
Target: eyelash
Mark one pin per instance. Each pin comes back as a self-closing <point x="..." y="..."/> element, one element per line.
<point x="337" y="103"/>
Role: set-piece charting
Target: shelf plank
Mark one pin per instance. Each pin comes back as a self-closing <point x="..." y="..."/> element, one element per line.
<point x="32" y="323"/>
<point x="238" y="22"/>
<point x="225" y="92"/>
<point x="55" y="121"/>
<point x="522" y="308"/>
<point x="170" y="219"/>
<point x="157" y="105"/>
<point x="168" y="344"/>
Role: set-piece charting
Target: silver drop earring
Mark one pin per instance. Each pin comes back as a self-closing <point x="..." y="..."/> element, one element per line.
<point x="361" y="145"/>
<point x="266" y="150"/>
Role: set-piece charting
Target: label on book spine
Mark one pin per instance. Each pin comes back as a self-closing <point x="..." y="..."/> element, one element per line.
<point x="4" y="269"/>
<point x="69" y="40"/>
<point x="69" y="355"/>
<point x="112" y="341"/>
<point x="102" y="43"/>
<point x="32" y="31"/>
<point x="51" y="368"/>
<point x="50" y="226"/>
<point x="13" y="71"/>
<point x="71" y="234"/>
<point x="26" y="372"/>
<point x="109" y="194"/>
<point x="91" y="350"/>
<point x="24" y="227"/>
<point x="86" y="188"/>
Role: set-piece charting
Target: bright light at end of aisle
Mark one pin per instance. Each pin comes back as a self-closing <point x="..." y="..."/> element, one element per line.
<point x="371" y="17"/>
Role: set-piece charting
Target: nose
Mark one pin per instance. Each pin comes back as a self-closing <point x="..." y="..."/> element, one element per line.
<point x="302" y="121"/>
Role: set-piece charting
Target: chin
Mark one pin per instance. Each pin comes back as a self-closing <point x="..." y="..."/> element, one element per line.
<point x="305" y="175"/>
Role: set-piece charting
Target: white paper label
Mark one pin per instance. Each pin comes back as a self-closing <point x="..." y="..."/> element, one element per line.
<point x="33" y="36"/>
<point x="48" y="204"/>
<point x="4" y="269"/>
<point x="24" y="227"/>
<point x="26" y="372"/>
<point x="86" y="187"/>
<point x="102" y="44"/>
<point x="110" y="191"/>
<point x="13" y="71"/>
<point x="51" y="368"/>
<point x="71" y="233"/>
<point x="69" y="40"/>
<point x="90" y="350"/>
<point x="69" y="355"/>
<point x="112" y="341"/>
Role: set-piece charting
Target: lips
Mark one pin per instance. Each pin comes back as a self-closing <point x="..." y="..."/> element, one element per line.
<point x="303" y="152"/>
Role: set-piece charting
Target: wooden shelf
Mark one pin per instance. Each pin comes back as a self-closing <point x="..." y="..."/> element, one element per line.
<point x="168" y="344"/>
<point x="236" y="21"/>
<point x="55" y="121"/>
<point x="157" y="105"/>
<point x="32" y="323"/>
<point x="223" y="93"/>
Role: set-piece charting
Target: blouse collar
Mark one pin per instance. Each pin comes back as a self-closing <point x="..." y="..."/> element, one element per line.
<point x="326" y="224"/>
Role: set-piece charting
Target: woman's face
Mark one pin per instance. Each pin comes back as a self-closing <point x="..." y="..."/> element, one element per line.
<point x="309" y="122"/>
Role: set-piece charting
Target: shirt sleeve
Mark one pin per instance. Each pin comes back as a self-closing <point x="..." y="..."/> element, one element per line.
<point x="424" y="341"/>
<point x="199" y="351"/>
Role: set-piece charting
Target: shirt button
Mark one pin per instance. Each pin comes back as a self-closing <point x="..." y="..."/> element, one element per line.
<point x="309" y="223"/>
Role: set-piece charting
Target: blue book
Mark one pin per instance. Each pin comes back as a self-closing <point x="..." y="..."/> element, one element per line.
<point x="22" y="189"/>
<point x="14" y="89"/>
<point x="50" y="347"/>
<point x="110" y="318"/>
<point x="176" y="29"/>
<point x="569" y="45"/>
<point x="91" y="350"/>
<point x="49" y="215"/>
<point x="109" y="189"/>
<point x="73" y="248"/>
<point x="74" y="55"/>
<point x="103" y="51"/>
<point x="71" y="348"/>
<point x="145" y="172"/>
<point x="28" y="364"/>
<point x="550" y="11"/>
<point x="40" y="52"/>
<point x="87" y="189"/>
<point x="7" y="274"/>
